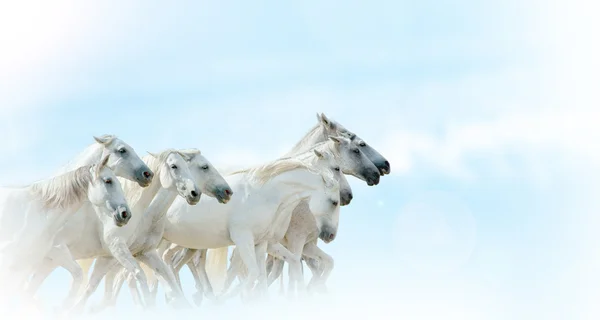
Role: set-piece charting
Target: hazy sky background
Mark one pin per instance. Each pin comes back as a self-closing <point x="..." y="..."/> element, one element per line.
<point x="486" y="110"/>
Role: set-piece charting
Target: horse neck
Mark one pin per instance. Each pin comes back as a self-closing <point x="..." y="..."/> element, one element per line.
<point x="88" y="156"/>
<point x="146" y="197"/>
<point x="296" y="185"/>
<point x="157" y="209"/>
<point x="314" y="136"/>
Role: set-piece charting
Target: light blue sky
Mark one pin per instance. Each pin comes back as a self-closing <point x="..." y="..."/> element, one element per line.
<point x="489" y="134"/>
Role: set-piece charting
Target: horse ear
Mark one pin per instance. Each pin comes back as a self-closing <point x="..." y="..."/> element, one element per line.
<point x="105" y="139"/>
<point x="318" y="153"/>
<point x="326" y="122"/>
<point x="336" y="139"/>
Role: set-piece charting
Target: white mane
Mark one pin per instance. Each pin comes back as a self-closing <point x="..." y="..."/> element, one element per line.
<point x="65" y="190"/>
<point x="317" y="133"/>
<point x="88" y="156"/>
<point x="263" y="173"/>
<point x="325" y="147"/>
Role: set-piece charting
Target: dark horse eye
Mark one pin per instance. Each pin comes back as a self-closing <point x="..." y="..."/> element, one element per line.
<point x="122" y="150"/>
<point x="173" y="167"/>
<point x="356" y="150"/>
<point x="362" y="144"/>
<point x="335" y="203"/>
<point x="108" y="181"/>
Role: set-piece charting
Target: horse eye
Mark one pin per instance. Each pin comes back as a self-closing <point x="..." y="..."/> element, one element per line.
<point x="334" y="203"/>
<point x="362" y="144"/>
<point x="122" y="150"/>
<point x="356" y="150"/>
<point x="337" y="169"/>
<point x="173" y="167"/>
<point x="108" y="181"/>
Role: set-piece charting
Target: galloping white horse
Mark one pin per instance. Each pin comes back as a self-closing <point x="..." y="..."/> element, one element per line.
<point x="212" y="184"/>
<point x="47" y="204"/>
<point x="259" y="213"/>
<point x="125" y="163"/>
<point x="113" y="246"/>
<point x="304" y="226"/>
<point x="318" y="134"/>
<point x="351" y="160"/>
<point x="318" y="261"/>
<point x="196" y="260"/>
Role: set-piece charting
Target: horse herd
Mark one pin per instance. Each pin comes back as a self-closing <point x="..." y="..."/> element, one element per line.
<point x="140" y="220"/>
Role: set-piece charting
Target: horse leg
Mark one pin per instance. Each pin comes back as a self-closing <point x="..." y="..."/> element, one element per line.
<point x="121" y="253"/>
<point x="163" y="246"/>
<point x="61" y="255"/>
<point x="269" y="264"/>
<point x="182" y="258"/>
<point x="279" y="251"/>
<point x="102" y="266"/>
<point x="277" y="270"/>
<point x="325" y="261"/>
<point x="40" y="275"/>
<point x="233" y="271"/>
<point x="109" y="298"/>
<point x="244" y="242"/>
<point x="314" y="265"/>
<point x="260" y="251"/>
<point x="198" y="296"/>
<point x="315" y="268"/>
<point x="198" y="269"/>
<point x="119" y="278"/>
<point x="166" y="276"/>
<point x="179" y="258"/>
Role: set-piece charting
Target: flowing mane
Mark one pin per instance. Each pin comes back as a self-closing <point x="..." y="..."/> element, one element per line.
<point x="317" y="133"/>
<point x="325" y="147"/>
<point x="263" y="173"/>
<point x="132" y="191"/>
<point x="65" y="190"/>
<point x="88" y="156"/>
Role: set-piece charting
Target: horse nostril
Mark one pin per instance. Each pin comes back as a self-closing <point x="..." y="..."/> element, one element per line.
<point x="124" y="214"/>
<point x="228" y="192"/>
<point x="331" y="236"/>
<point x="350" y="196"/>
<point x="147" y="174"/>
<point x="194" y="193"/>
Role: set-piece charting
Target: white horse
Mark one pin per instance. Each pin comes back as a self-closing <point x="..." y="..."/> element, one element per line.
<point x="302" y="225"/>
<point x="114" y="247"/>
<point x="321" y="267"/>
<point x="98" y="238"/>
<point x="318" y="134"/>
<point x="47" y="204"/>
<point x="326" y="128"/>
<point x="351" y="160"/>
<point x="212" y="184"/>
<point x="258" y="214"/>
<point x="125" y="163"/>
<point x="303" y="228"/>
